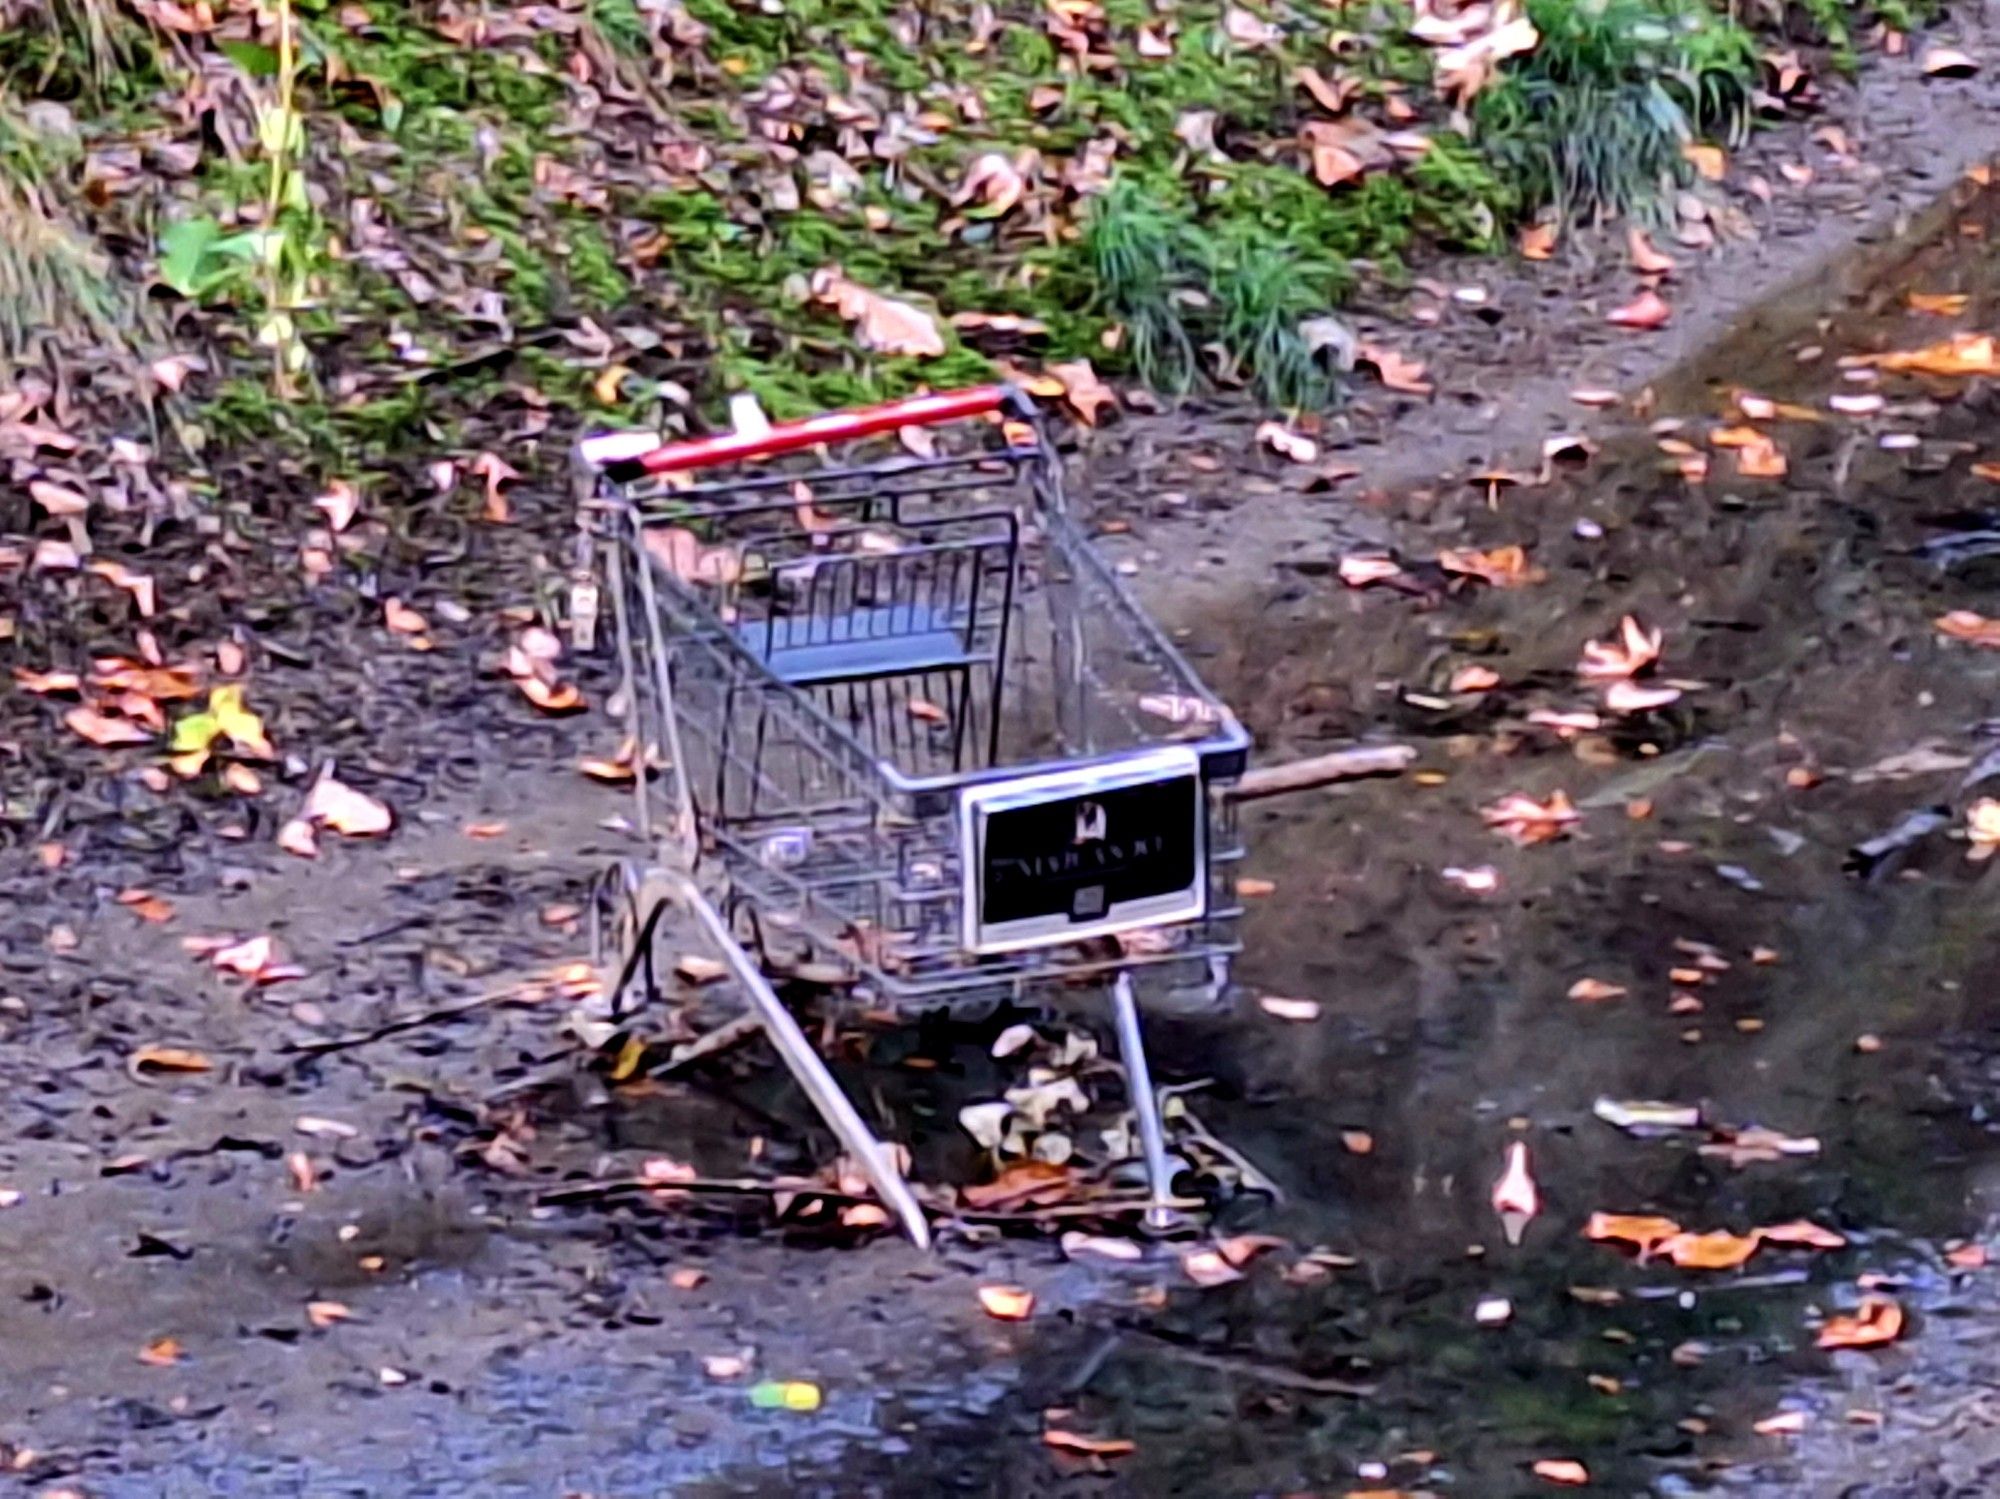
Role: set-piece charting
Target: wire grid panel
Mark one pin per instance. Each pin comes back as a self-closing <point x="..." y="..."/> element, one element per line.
<point x="834" y="660"/>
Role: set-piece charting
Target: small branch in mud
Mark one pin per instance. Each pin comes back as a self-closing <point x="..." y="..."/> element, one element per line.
<point x="1247" y="1366"/>
<point x="528" y="990"/>
<point x="1362" y="760"/>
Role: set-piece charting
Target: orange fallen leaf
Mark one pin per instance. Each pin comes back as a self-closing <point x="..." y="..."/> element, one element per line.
<point x="1007" y="1303"/>
<point x="1646" y="260"/>
<point x="559" y="697"/>
<point x="1987" y="471"/>
<point x="1966" y="1257"/>
<point x="1072" y="1441"/>
<point x="1876" y="1321"/>
<point x="402" y="619"/>
<point x="1253" y="888"/>
<point x="1503" y="567"/>
<point x="1474" y="679"/>
<point x="160" y="1353"/>
<point x="168" y="1059"/>
<point x="1357" y="1141"/>
<point x="884" y="324"/>
<point x="1938" y="303"/>
<point x="1975" y="629"/>
<point x="1716" y="1250"/>
<point x="1527" y="821"/>
<point x="1562" y="1470"/>
<point x="1709" y="162"/>
<point x="1632" y="651"/>
<point x="338" y="806"/>
<point x="1645" y="312"/>
<point x="1289" y="1009"/>
<point x="1761" y="460"/>
<point x="926" y="711"/>
<point x="104" y="730"/>
<point x="1802" y="1232"/>
<point x="1590" y="991"/>
<point x="1538" y="242"/>
<point x="1623" y="1228"/>
<point x="1784" y="1423"/>
<point x="1961" y="354"/>
<point x="1395" y="370"/>
<point x="323" y="1314"/>
<point x="44" y="682"/>
<point x="1083" y="391"/>
<point x="1208" y="1267"/>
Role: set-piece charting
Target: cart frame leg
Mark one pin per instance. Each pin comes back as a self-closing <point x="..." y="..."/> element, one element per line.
<point x="1160" y="1214"/>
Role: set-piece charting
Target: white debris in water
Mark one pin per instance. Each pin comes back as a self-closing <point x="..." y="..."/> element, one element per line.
<point x="1493" y="1311"/>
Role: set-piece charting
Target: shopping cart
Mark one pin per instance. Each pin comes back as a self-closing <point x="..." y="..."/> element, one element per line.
<point x="913" y="735"/>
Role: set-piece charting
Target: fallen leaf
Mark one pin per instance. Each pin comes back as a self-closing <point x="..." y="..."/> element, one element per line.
<point x="684" y="555"/>
<point x="1463" y="69"/>
<point x="104" y="730"/>
<point x="43" y="683"/>
<point x="305" y="1176"/>
<point x="168" y="1059"/>
<point x="995" y="182"/>
<point x="1252" y="888"/>
<point x="256" y="959"/>
<point x="1762" y="459"/>
<point x="1784" y="1423"/>
<point x="1590" y="991"/>
<point x="1961" y="354"/>
<point x="402" y="619"/>
<point x="1562" y="1470"/>
<point x="1982" y="829"/>
<point x="559" y="697"/>
<point x="1966" y="1257"/>
<point x="1947" y="62"/>
<point x="296" y="836"/>
<point x="1474" y="679"/>
<point x="323" y="1314"/>
<point x="332" y="804"/>
<point x="1646" y="311"/>
<point x="1709" y="162"/>
<point x="1208" y="1267"/>
<point x="1083" y="391"/>
<point x="1289" y="1009"/>
<point x="161" y="1353"/>
<point x="1481" y="879"/>
<point x="1632" y="650"/>
<point x="1527" y="821"/>
<point x="1395" y="371"/>
<point x="1357" y="1141"/>
<point x="1631" y="697"/>
<point x="1716" y="1250"/>
<point x="146" y="906"/>
<point x="1515" y="1196"/>
<point x="725" y="1366"/>
<point x="1538" y="242"/>
<point x="1007" y="1303"/>
<point x="1938" y="303"/>
<point x="883" y="324"/>
<point x="1975" y="629"/>
<point x="1071" y="1441"/>
<point x="1645" y="1116"/>
<point x="1646" y="260"/>
<point x="1803" y="1233"/>
<point x="1248" y="28"/>
<point x="1621" y="1228"/>
<point x="1284" y="441"/>
<point x="1876" y="1321"/>
<point x="1358" y="570"/>
<point x="1503" y="567"/>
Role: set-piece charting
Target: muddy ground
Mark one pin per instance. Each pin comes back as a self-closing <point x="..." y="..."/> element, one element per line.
<point x="491" y="1346"/>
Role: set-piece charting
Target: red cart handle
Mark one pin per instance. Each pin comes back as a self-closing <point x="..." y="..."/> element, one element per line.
<point x="834" y="426"/>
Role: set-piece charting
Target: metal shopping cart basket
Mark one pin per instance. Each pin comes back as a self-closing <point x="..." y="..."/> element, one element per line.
<point x="914" y="735"/>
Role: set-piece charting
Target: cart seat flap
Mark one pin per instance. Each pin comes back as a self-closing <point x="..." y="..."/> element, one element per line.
<point x="889" y="640"/>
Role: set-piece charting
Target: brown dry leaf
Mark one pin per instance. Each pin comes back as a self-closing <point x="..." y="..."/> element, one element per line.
<point x="1084" y="393"/>
<point x="1988" y="471"/>
<point x="323" y="1314"/>
<point x="402" y="619"/>
<point x="1072" y="1441"/>
<point x="1562" y="1470"/>
<point x="161" y="1353"/>
<point x="1591" y="991"/>
<point x="45" y="682"/>
<point x="687" y="557"/>
<point x="1633" y="650"/>
<point x="1876" y="1321"/>
<point x="1538" y="242"/>
<point x="1503" y="567"/>
<point x="146" y="906"/>
<point x="1646" y="260"/>
<point x="1463" y="69"/>
<point x="560" y="697"/>
<point x="1976" y="629"/>
<point x="996" y="182"/>
<point x="1938" y="303"/>
<point x="1804" y="1233"/>
<point x="1761" y="460"/>
<point x="1624" y="1228"/>
<point x="1007" y="1303"/>
<point x="1961" y="354"/>
<point x="1331" y="97"/>
<point x="168" y="1059"/>
<point x="104" y="730"/>
<point x="1645" y="312"/>
<point x="1527" y="822"/>
<point x="1395" y="371"/>
<point x="1716" y="1250"/>
<point x="1474" y="679"/>
<point x="883" y="324"/>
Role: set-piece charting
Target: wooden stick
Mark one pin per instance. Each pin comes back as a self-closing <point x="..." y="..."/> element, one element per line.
<point x="1323" y="770"/>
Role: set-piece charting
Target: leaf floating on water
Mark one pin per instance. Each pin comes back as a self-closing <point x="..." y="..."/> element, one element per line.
<point x="1516" y="1198"/>
<point x="1784" y="1423"/>
<point x="1646" y="1115"/>
<point x="1876" y="1321"/>
<point x="1358" y="570"/>
<point x="1071" y="1441"/>
<point x="1971" y="627"/>
<point x="1289" y="1009"/>
<point x="1642" y="1231"/>
<point x="1716" y="1250"/>
<point x="1961" y="354"/>
<point x="1938" y="303"/>
<point x="1633" y="650"/>
<point x="1803" y="1234"/>
<point x="161" y="1353"/>
<point x="1503" y="567"/>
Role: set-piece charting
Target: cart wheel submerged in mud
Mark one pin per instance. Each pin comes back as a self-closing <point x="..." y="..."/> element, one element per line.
<point x="918" y="739"/>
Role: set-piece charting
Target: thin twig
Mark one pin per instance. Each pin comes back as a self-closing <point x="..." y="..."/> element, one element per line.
<point x="413" y="1022"/>
<point x="1248" y="1367"/>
